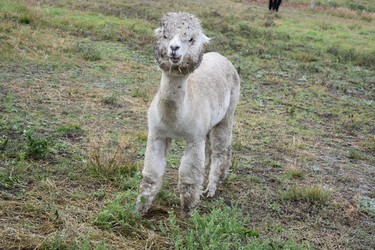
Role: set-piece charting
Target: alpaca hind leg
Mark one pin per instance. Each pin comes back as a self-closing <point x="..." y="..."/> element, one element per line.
<point x="153" y="171"/>
<point x="191" y="175"/>
<point x="207" y="162"/>
<point x="221" y="140"/>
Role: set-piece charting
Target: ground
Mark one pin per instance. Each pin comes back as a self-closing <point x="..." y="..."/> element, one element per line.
<point x="77" y="77"/>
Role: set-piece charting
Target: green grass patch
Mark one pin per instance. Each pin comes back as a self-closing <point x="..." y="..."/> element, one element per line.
<point x="110" y="99"/>
<point x="97" y="24"/>
<point x="293" y="173"/>
<point x="8" y="181"/>
<point x="367" y="204"/>
<point x="356" y="154"/>
<point x="70" y="130"/>
<point x="222" y="228"/>
<point x="121" y="213"/>
<point x="314" y="193"/>
<point x="89" y="52"/>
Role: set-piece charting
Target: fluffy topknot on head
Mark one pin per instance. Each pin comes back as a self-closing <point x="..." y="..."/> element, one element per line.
<point x="184" y="23"/>
<point x="184" y="32"/>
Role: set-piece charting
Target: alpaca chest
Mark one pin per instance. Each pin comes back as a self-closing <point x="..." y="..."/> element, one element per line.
<point x="179" y="123"/>
<point x="168" y="112"/>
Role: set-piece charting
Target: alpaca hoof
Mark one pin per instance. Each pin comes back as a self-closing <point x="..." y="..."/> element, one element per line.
<point x="187" y="210"/>
<point x="186" y="213"/>
<point x="210" y="190"/>
<point x="142" y="207"/>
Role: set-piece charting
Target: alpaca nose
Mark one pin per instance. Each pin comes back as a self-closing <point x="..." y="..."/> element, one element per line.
<point x="174" y="49"/>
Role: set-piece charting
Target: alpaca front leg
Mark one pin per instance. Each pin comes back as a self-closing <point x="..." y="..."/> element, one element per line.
<point x="191" y="175"/>
<point x="155" y="161"/>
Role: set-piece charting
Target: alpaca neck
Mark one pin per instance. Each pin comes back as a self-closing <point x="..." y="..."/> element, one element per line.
<point x="172" y="94"/>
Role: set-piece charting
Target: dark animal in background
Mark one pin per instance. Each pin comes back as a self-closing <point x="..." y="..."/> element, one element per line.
<point x="274" y="5"/>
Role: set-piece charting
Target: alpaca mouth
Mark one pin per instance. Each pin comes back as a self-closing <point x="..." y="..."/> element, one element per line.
<point x="175" y="60"/>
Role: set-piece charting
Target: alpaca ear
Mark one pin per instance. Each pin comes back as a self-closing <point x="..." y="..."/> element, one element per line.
<point x="202" y="38"/>
<point x="158" y="32"/>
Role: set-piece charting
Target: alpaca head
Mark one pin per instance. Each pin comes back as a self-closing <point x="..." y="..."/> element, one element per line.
<point x="180" y="44"/>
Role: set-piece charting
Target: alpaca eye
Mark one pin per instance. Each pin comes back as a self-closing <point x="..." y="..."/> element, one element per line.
<point x="165" y="37"/>
<point x="191" y="40"/>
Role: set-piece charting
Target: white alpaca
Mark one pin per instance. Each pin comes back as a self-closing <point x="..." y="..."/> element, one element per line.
<point x="196" y="102"/>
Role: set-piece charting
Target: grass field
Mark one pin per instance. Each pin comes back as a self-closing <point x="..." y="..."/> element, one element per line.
<point x="77" y="77"/>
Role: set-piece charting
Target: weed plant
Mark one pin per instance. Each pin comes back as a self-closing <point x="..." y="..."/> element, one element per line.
<point x="36" y="148"/>
<point x="89" y="52"/>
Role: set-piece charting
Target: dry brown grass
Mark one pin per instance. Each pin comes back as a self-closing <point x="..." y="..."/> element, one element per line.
<point x="352" y="14"/>
<point x="53" y="209"/>
<point x="108" y="160"/>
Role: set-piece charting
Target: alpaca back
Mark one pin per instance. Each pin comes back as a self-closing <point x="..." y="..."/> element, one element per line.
<point x="215" y="83"/>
